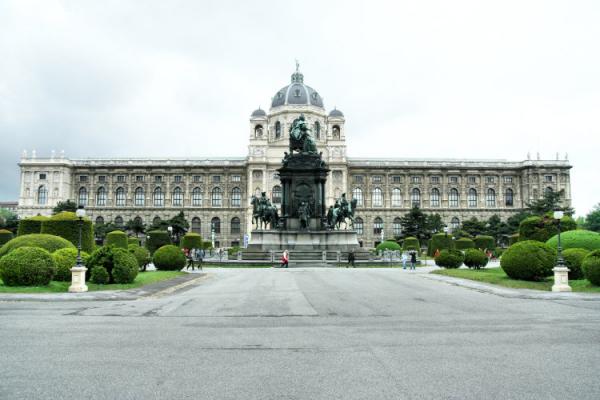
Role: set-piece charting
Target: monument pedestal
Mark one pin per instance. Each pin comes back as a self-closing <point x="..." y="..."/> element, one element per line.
<point x="303" y="240"/>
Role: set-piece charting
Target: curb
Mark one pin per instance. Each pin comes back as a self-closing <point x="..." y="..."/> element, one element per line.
<point x="157" y="289"/>
<point x="511" y="293"/>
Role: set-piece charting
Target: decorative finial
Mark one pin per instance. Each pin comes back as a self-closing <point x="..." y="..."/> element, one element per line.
<point x="538" y="155"/>
<point x="33" y="153"/>
<point x="297" y="65"/>
<point x="528" y="155"/>
<point x="566" y="156"/>
<point x="24" y="154"/>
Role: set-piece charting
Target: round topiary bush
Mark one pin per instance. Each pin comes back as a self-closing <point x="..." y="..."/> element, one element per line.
<point x="47" y="242"/>
<point x="65" y="259"/>
<point x="66" y="225"/>
<point x="388" y="245"/>
<point x="449" y="258"/>
<point x="191" y="241"/>
<point x="573" y="259"/>
<point x="580" y="239"/>
<point x="120" y="265"/>
<point x="543" y="228"/>
<point x="485" y="242"/>
<point x="5" y="236"/>
<point x="27" y="266"/>
<point x="99" y="275"/>
<point x="31" y="225"/>
<point x="411" y="243"/>
<point x="528" y="260"/>
<point x="116" y="239"/>
<point x="441" y="241"/>
<point x="169" y="258"/>
<point x="156" y="240"/>
<point x="464" y="243"/>
<point x="133" y="240"/>
<point x="591" y="267"/>
<point x="141" y="254"/>
<point x="475" y="258"/>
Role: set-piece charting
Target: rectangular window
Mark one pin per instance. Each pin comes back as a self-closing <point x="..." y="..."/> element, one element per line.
<point x="139" y="178"/>
<point x="120" y="178"/>
<point x="453" y="179"/>
<point x="237" y="178"/>
<point x="415" y="179"/>
<point x="358" y="179"/>
<point x="548" y="178"/>
<point x="490" y="179"/>
<point x="435" y="179"/>
<point x="508" y="179"/>
<point x="157" y="178"/>
<point x="42" y="177"/>
<point x="102" y="178"/>
<point x="177" y="178"/>
<point x="396" y="179"/>
<point x="83" y="178"/>
<point x="472" y="180"/>
<point x="216" y="179"/>
<point x="197" y="178"/>
<point x="376" y="178"/>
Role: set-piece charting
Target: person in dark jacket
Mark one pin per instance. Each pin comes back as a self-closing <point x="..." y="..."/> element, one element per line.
<point x="413" y="259"/>
<point x="351" y="259"/>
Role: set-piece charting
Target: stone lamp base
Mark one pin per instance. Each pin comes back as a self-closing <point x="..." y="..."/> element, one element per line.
<point x="78" y="280"/>
<point x="561" y="279"/>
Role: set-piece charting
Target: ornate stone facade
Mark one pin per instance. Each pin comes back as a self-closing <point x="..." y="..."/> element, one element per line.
<point x="215" y="193"/>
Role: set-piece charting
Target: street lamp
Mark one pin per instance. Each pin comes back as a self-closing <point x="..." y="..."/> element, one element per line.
<point x="446" y="229"/>
<point x="561" y="272"/>
<point x="78" y="271"/>
<point x="170" y="229"/>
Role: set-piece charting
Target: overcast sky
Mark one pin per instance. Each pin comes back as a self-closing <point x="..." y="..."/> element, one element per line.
<point x="454" y="79"/>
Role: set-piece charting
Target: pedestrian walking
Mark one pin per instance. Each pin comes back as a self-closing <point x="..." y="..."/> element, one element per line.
<point x="404" y="260"/>
<point x="190" y="258"/>
<point x="285" y="258"/>
<point x="413" y="260"/>
<point x="351" y="259"/>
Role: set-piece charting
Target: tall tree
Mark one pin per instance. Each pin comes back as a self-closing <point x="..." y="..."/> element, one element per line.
<point x="136" y="226"/>
<point x="514" y="221"/>
<point x="414" y="224"/>
<point x="592" y="220"/>
<point x="473" y="226"/>
<point x="180" y="225"/>
<point x="101" y="230"/>
<point x="66" y="205"/>
<point x="550" y="202"/>
<point x="497" y="229"/>
<point x="8" y="220"/>
<point x="434" y="225"/>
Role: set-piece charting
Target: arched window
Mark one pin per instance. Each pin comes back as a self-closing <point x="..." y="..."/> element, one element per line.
<point x="508" y="197"/>
<point x="217" y="197"/>
<point x="258" y="131"/>
<point x="139" y="197"/>
<point x="83" y="197"/>
<point x="454" y="224"/>
<point x="548" y="190"/>
<point x="156" y="221"/>
<point x="196" y="225"/>
<point x="42" y="195"/>
<point x="215" y="225"/>
<point x="236" y="197"/>
<point x="491" y="198"/>
<point x="317" y="131"/>
<point x="397" y="227"/>
<point x="453" y="198"/>
<point x="435" y="198"/>
<point x="177" y="197"/>
<point x="235" y="225"/>
<point x="119" y="222"/>
<point x="336" y="132"/>
<point x="377" y="198"/>
<point x="101" y="197"/>
<point x="415" y="198"/>
<point x="277" y="130"/>
<point x="120" y="197"/>
<point x="396" y="197"/>
<point x="358" y="195"/>
<point x="138" y="220"/>
<point x="377" y="226"/>
<point x="472" y="198"/>
<point x="99" y="221"/>
<point x="158" y="197"/>
<point x="197" y="197"/>
<point x="276" y="194"/>
<point x="358" y="225"/>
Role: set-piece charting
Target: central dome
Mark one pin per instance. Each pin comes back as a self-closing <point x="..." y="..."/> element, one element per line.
<point x="297" y="93"/>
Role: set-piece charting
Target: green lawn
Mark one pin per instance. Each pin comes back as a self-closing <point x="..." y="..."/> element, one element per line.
<point x="143" y="278"/>
<point x="498" y="277"/>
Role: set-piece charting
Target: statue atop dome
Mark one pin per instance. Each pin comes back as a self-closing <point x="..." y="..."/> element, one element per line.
<point x="300" y="137"/>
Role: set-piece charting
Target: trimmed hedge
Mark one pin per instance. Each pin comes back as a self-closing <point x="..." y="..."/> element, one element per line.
<point x="46" y="242"/>
<point x="66" y="225"/>
<point x="156" y="240"/>
<point x="99" y="275"/>
<point x="169" y="258"/>
<point x="31" y="225"/>
<point x="141" y="254"/>
<point x="578" y="239"/>
<point x="528" y="260"/>
<point x="388" y="245"/>
<point x="573" y="259"/>
<point x="475" y="258"/>
<point x="191" y="241"/>
<point x="65" y="259"/>
<point x="464" y="243"/>
<point x="5" y="236"/>
<point x="133" y="240"/>
<point x="449" y="258"/>
<point x="411" y="243"/>
<point x="485" y="242"/>
<point x="591" y="267"/>
<point x="27" y="266"/>
<point x="117" y="239"/>
<point x="440" y="241"/>
<point x="120" y="265"/>
<point x="543" y="228"/>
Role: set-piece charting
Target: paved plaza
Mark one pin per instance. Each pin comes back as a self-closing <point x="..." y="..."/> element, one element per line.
<point x="303" y="333"/>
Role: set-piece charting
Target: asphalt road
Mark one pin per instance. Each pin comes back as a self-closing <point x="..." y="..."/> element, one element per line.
<point x="303" y="334"/>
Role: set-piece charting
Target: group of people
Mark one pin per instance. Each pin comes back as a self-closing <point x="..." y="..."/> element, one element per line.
<point x="410" y="259"/>
<point x="193" y="256"/>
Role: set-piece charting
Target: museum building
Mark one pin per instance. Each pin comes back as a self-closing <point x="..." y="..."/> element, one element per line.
<point x="214" y="193"/>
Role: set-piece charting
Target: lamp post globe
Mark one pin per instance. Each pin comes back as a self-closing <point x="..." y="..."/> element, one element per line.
<point x="78" y="271"/>
<point x="561" y="272"/>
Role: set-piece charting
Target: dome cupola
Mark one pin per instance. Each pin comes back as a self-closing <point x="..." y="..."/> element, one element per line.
<point x="297" y="93"/>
